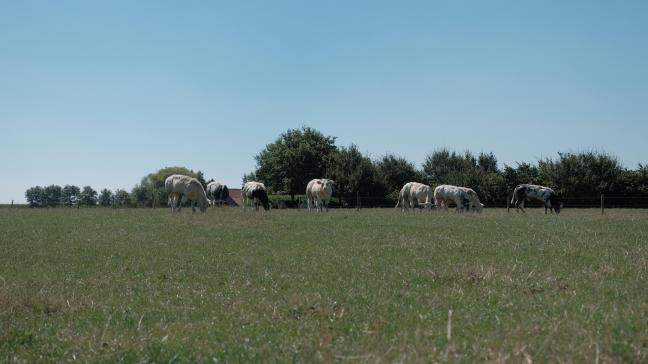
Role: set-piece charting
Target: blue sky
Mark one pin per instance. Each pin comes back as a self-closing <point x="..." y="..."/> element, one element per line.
<point x="102" y="93"/>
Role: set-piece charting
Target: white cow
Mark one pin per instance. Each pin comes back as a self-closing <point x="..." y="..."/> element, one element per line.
<point x="181" y="188"/>
<point x="473" y="199"/>
<point x="255" y="192"/>
<point x="462" y="197"/>
<point x="217" y="193"/>
<point x="527" y="192"/>
<point x="413" y="194"/>
<point x="318" y="193"/>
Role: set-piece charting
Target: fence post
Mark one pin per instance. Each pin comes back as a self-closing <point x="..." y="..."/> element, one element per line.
<point x="358" y="200"/>
<point x="508" y="205"/>
<point x="11" y="203"/>
<point x="602" y="204"/>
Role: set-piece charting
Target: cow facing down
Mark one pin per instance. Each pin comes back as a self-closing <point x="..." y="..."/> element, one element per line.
<point x="181" y="188"/>
<point x="474" y="204"/>
<point x="217" y="193"/>
<point x="528" y="192"/>
<point x="318" y="193"/>
<point x="415" y="194"/>
<point x="255" y="192"/>
<point x="464" y="198"/>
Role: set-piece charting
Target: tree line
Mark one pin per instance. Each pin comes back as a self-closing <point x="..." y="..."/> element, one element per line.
<point x="299" y="155"/>
<point x="286" y="165"/>
<point x="149" y="192"/>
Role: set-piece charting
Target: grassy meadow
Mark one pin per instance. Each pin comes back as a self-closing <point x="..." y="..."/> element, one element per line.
<point x="133" y="285"/>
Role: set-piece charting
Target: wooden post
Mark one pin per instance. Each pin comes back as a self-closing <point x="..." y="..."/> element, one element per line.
<point x="508" y="205"/>
<point x="358" y="200"/>
<point x="602" y="203"/>
<point x="11" y="203"/>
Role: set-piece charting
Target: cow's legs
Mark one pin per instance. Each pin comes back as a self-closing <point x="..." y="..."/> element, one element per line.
<point x="459" y="208"/>
<point x="521" y="204"/>
<point x="183" y="199"/>
<point x="172" y="201"/>
<point x="550" y="207"/>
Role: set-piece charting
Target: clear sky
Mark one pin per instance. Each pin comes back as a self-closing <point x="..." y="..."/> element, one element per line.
<point x="102" y="93"/>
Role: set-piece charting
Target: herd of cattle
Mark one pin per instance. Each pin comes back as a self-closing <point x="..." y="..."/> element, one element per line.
<point x="181" y="189"/>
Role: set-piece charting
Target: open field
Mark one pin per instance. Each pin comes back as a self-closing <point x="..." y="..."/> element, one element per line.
<point x="103" y="285"/>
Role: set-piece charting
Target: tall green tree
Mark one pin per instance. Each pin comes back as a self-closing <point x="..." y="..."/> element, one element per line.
<point x="393" y="172"/>
<point x="121" y="198"/>
<point x="636" y="181"/>
<point x="296" y="157"/>
<point x="445" y="167"/>
<point x="352" y="172"/>
<point x="88" y="196"/>
<point x="70" y="194"/>
<point x="35" y="196"/>
<point x="583" y="174"/>
<point x="105" y="197"/>
<point x="52" y="195"/>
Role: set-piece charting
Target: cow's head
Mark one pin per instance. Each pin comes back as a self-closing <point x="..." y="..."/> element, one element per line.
<point x="328" y="184"/>
<point x="262" y="196"/>
<point x="556" y="203"/>
<point x="203" y="204"/>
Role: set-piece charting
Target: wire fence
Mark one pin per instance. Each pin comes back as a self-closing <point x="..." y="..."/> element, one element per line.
<point x="600" y="201"/>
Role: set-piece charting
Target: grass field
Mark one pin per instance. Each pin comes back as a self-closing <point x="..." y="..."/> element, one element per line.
<point x="103" y="285"/>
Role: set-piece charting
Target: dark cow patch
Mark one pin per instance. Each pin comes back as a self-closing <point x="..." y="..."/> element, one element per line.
<point x="262" y="196"/>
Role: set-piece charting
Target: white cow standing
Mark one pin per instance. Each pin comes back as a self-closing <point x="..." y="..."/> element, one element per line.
<point x="318" y="193"/>
<point x="463" y="197"/>
<point x="257" y="193"/>
<point x="413" y="194"/>
<point x="181" y="188"/>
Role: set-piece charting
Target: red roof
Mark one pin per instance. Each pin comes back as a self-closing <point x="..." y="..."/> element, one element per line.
<point x="235" y="197"/>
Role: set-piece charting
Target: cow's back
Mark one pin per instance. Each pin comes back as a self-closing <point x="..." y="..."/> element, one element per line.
<point x="176" y="183"/>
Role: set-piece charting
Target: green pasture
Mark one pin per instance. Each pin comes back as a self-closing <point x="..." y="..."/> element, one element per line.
<point x="144" y="285"/>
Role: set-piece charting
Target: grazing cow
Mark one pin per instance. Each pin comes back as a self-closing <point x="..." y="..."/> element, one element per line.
<point x="527" y="192"/>
<point x="473" y="199"/>
<point x="255" y="192"/>
<point x="217" y="193"/>
<point x="181" y="188"/>
<point x="414" y="194"/>
<point x="464" y="198"/>
<point x="318" y="193"/>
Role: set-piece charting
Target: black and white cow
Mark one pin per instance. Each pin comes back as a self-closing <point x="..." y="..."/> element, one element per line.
<point x="217" y="193"/>
<point x="255" y="192"/>
<point x="527" y="192"/>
